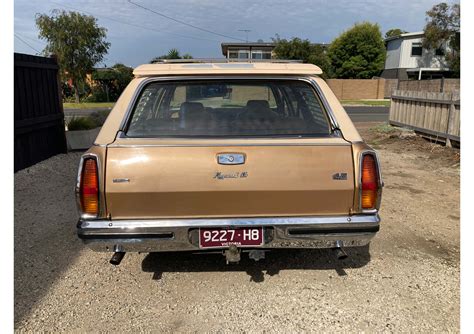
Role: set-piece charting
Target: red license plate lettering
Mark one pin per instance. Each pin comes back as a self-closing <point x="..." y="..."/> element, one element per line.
<point x="240" y="237"/>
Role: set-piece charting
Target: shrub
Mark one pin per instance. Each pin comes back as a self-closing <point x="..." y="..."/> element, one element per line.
<point x="95" y="120"/>
<point x="100" y="116"/>
<point x="82" y="123"/>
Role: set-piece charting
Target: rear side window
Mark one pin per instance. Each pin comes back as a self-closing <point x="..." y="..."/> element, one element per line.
<point x="228" y="108"/>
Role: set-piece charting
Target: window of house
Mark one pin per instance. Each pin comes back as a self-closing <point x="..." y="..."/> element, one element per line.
<point x="439" y="51"/>
<point x="266" y="55"/>
<point x="243" y="54"/>
<point x="416" y="49"/>
<point x="256" y="54"/>
<point x="233" y="54"/>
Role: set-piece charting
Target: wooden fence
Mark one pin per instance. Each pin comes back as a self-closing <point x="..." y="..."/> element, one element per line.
<point x="39" y="117"/>
<point x="435" y="114"/>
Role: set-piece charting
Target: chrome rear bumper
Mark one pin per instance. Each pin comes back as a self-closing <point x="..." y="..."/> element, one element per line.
<point x="182" y="234"/>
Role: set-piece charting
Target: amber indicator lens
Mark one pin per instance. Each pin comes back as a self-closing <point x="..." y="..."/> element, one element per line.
<point x="369" y="182"/>
<point x="90" y="187"/>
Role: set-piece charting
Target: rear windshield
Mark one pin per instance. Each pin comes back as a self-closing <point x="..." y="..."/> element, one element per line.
<point x="224" y="108"/>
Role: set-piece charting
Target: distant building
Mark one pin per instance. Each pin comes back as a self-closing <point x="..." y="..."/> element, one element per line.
<point x="248" y="50"/>
<point x="407" y="59"/>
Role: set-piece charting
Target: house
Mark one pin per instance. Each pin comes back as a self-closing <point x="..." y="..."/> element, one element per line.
<point x="248" y="50"/>
<point x="407" y="59"/>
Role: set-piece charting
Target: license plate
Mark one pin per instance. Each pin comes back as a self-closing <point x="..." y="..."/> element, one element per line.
<point x="240" y="237"/>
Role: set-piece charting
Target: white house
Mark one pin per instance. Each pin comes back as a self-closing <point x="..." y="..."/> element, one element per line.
<point x="407" y="59"/>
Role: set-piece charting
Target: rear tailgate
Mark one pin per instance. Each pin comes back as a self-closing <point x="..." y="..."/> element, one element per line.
<point x="171" y="181"/>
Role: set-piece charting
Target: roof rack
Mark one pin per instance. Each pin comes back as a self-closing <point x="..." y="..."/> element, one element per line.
<point x="225" y="60"/>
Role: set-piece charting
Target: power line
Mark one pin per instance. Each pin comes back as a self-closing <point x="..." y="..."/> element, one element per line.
<point x="185" y="23"/>
<point x="26" y="43"/>
<point x="33" y="40"/>
<point x="132" y="24"/>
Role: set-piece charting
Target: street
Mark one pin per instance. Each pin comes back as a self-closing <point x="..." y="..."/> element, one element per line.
<point x="367" y="113"/>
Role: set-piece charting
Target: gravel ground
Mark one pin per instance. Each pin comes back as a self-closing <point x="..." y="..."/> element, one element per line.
<point x="407" y="281"/>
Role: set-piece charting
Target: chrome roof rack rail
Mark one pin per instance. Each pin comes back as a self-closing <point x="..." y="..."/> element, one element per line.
<point x="224" y="60"/>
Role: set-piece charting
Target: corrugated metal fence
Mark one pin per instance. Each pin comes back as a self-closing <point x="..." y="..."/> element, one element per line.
<point x="39" y="117"/>
<point x="435" y="114"/>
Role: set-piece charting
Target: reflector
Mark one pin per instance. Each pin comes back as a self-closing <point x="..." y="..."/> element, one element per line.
<point x="369" y="182"/>
<point x="90" y="187"/>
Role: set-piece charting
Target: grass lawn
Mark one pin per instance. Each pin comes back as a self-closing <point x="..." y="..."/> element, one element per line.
<point x="381" y="103"/>
<point x="88" y="105"/>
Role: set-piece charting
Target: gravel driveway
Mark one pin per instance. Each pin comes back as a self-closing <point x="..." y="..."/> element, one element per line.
<point x="407" y="281"/>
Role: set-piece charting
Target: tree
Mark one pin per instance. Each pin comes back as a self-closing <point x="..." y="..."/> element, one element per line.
<point x="394" y="32"/>
<point x="298" y="49"/>
<point x="76" y="40"/>
<point x="358" y="52"/>
<point x="172" y="54"/>
<point x="443" y="28"/>
<point x="111" y="82"/>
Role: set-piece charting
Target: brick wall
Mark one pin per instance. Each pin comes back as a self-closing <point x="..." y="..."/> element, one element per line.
<point x="356" y="89"/>
<point x="435" y="85"/>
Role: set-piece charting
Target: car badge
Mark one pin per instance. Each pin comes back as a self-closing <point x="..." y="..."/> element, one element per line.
<point x="231" y="158"/>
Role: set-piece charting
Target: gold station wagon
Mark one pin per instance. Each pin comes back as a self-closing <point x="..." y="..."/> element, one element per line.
<point x="227" y="157"/>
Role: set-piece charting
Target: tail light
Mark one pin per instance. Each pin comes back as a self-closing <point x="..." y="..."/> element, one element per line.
<point x="370" y="182"/>
<point x="89" y="188"/>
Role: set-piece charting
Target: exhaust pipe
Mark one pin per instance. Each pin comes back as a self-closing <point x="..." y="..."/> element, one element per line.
<point x="117" y="258"/>
<point x="340" y="253"/>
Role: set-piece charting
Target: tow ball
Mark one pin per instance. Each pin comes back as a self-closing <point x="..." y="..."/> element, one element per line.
<point x="232" y="254"/>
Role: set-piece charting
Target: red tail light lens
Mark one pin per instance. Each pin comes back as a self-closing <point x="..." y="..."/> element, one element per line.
<point x="89" y="190"/>
<point x="370" y="182"/>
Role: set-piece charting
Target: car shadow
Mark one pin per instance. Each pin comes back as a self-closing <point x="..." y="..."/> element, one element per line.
<point x="274" y="262"/>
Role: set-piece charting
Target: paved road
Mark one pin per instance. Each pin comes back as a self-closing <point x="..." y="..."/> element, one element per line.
<point x="367" y="113"/>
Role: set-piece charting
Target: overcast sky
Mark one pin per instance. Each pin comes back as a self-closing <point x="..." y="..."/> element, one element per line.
<point x="319" y="20"/>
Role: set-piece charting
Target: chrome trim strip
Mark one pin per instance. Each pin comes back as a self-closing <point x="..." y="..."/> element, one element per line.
<point x="363" y="220"/>
<point x="308" y="79"/>
<point x="221" y="145"/>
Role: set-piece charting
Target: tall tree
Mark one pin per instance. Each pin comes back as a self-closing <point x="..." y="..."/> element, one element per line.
<point x="76" y="40"/>
<point x="303" y="49"/>
<point x="358" y="52"/>
<point x="443" y="29"/>
<point x="394" y="32"/>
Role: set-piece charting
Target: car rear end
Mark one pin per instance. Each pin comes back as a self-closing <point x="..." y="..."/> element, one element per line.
<point x="228" y="162"/>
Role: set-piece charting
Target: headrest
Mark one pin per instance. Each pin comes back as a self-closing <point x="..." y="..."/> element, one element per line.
<point x="257" y="104"/>
<point x="258" y="109"/>
<point x="190" y="110"/>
